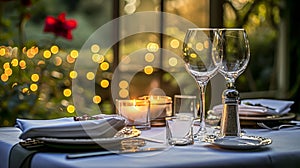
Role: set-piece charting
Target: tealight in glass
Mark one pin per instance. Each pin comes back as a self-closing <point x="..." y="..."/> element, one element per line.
<point x="137" y="113"/>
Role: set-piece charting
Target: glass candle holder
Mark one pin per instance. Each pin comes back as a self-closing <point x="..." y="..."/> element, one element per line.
<point x="160" y="108"/>
<point x="137" y="113"/>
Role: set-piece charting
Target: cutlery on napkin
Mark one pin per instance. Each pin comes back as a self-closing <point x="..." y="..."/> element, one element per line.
<point x="68" y="128"/>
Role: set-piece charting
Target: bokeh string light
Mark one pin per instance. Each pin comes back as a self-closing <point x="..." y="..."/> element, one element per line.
<point x="49" y="72"/>
<point x="36" y="73"/>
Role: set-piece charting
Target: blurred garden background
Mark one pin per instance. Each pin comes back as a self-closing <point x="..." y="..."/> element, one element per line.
<point x="40" y="41"/>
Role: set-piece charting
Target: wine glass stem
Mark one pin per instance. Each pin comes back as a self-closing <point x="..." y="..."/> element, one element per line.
<point x="230" y="83"/>
<point x="202" y="108"/>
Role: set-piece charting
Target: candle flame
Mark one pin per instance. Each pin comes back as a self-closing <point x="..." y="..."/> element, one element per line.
<point x="134" y="102"/>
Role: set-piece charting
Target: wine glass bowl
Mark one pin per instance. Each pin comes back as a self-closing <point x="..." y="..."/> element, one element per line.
<point x="202" y="55"/>
<point x="198" y="48"/>
<point x="236" y="53"/>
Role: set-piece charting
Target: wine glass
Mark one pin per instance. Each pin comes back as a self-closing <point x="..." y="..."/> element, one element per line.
<point x="236" y="54"/>
<point x="202" y="54"/>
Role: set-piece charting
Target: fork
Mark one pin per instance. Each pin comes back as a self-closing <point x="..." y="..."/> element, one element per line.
<point x="262" y="125"/>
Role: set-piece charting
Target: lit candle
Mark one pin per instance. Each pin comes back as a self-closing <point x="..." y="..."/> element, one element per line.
<point x="136" y="112"/>
<point x="157" y="108"/>
<point x="160" y="107"/>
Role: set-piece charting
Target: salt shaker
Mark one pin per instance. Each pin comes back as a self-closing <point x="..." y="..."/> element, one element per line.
<point x="230" y="123"/>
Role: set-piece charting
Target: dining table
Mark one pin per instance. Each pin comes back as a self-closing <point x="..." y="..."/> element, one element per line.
<point x="284" y="151"/>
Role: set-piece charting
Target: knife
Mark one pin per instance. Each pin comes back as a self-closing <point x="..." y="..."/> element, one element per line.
<point x="102" y="153"/>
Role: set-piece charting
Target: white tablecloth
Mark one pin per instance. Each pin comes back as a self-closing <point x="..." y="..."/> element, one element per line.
<point x="283" y="152"/>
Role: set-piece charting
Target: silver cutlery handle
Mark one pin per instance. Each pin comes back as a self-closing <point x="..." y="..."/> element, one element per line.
<point x="102" y="153"/>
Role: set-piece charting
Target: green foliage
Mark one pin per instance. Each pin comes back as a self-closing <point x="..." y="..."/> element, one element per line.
<point x="32" y="85"/>
<point x="260" y="18"/>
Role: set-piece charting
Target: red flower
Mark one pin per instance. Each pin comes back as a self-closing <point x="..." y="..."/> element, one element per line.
<point x="60" y="26"/>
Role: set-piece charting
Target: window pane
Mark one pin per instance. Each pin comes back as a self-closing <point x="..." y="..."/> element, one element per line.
<point x="155" y="57"/>
<point x="261" y="21"/>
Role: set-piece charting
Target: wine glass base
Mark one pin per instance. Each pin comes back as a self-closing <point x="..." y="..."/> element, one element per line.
<point x="200" y="134"/>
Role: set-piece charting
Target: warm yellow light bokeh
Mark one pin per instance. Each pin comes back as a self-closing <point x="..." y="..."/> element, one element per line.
<point x="199" y="46"/>
<point x="148" y="70"/>
<point x="90" y="75"/>
<point x="95" y="48"/>
<point x="73" y="74"/>
<point x="2" y="51"/>
<point x="41" y="62"/>
<point x="193" y="55"/>
<point x="173" y="61"/>
<point x="97" y="58"/>
<point x="130" y="8"/>
<point x="74" y="53"/>
<point x="35" y="77"/>
<point x="8" y="71"/>
<point x="14" y="84"/>
<point x="71" y="109"/>
<point x="174" y="43"/>
<point x="58" y="61"/>
<point x="152" y="47"/>
<point x="97" y="99"/>
<point x="123" y="93"/>
<point x="104" y="83"/>
<point x="22" y="64"/>
<point x="70" y="59"/>
<point x="25" y="90"/>
<point x="4" y="77"/>
<point x="34" y="87"/>
<point x="54" y="49"/>
<point x="149" y="57"/>
<point x="15" y="62"/>
<point x="47" y="54"/>
<point x="123" y="84"/>
<point x="104" y="66"/>
<point x="31" y="52"/>
<point x="6" y="65"/>
<point x="67" y="92"/>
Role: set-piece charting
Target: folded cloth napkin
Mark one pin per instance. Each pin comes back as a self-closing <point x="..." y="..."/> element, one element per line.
<point x="260" y="107"/>
<point x="274" y="107"/>
<point x="68" y="128"/>
<point x="244" y="110"/>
